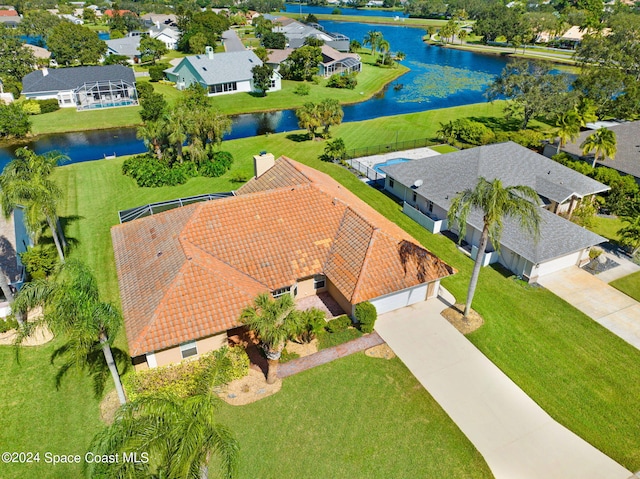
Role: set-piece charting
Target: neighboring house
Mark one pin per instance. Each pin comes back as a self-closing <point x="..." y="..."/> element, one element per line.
<point x="151" y="19"/>
<point x="186" y="274"/>
<point x="573" y="37"/>
<point x="126" y="46"/>
<point x="38" y="52"/>
<point x="170" y="36"/>
<point x="110" y="13"/>
<point x="297" y="33"/>
<point x="627" y="160"/>
<point x="10" y="17"/>
<point x="71" y="18"/>
<point x="427" y="186"/>
<point x="5" y="98"/>
<point x="84" y="88"/>
<point x="333" y="61"/>
<point x="219" y="73"/>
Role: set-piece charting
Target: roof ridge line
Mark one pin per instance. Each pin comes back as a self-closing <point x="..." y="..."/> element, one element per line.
<point x="367" y="255"/>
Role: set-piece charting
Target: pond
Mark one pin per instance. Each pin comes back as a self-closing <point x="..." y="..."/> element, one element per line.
<point x="306" y="9"/>
<point x="439" y="78"/>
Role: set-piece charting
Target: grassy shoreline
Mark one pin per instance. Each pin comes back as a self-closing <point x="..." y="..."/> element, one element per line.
<point x="403" y="21"/>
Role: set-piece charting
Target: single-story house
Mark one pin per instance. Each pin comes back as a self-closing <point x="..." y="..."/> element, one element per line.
<point x="110" y="13"/>
<point x="127" y="46"/>
<point x="84" y="88"/>
<point x="70" y="18"/>
<point x="38" y="52"/>
<point x="9" y="17"/>
<point x="219" y="73"/>
<point x="627" y="159"/>
<point x="151" y="19"/>
<point x="428" y="185"/>
<point x="574" y="35"/>
<point x="170" y="36"/>
<point x="297" y="32"/>
<point x="186" y="274"/>
<point x="332" y="62"/>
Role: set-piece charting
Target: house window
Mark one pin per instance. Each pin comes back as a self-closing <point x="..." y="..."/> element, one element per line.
<point x="319" y="282"/>
<point x="223" y="87"/>
<point x="430" y="206"/>
<point x="280" y="292"/>
<point x="272" y="85"/>
<point x="415" y="197"/>
<point x="391" y="183"/>
<point x="188" y="349"/>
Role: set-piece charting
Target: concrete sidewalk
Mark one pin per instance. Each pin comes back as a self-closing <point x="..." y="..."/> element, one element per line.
<point x="611" y="308"/>
<point x="516" y="437"/>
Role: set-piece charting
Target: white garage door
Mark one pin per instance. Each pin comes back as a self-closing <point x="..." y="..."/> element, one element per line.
<point x="403" y="298"/>
<point x="558" y="264"/>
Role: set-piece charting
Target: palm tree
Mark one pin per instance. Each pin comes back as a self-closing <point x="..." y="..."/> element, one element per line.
<point x="72" y="307"/>
<point x="602" y="143"/>
<point x="586" y="111"/>
<point x="383" y="47"/>
<point x="177" y="127"/>
<point x="309" y="118"/>
<point x="496" y="203"/>
<point x="462" y="35"/>
<point x="431" y="31"/>
<point x="372" y="38"/>
<point x="26" y="181"/>
<point x="8" y="294"/>
<point x="630" y="233"/>
<point x="179" y="435"/>
<point x="448" y="132"/>
<point x="272" y="321"/>
<point x="568" y="128"/>
<point x="330" y="113"/>
<point x="154" y="135"/>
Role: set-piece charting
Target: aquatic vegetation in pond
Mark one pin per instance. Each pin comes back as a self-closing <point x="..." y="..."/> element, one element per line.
<point x="440" y="81"/>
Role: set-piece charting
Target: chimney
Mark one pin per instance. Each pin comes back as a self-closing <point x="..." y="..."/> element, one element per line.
<point x="45" y="71"/>
<point x="262" y="162"/>
<point x="209" y="52"/>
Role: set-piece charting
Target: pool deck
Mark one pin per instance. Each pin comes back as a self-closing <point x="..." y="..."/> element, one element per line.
<point x="414" y="154"/>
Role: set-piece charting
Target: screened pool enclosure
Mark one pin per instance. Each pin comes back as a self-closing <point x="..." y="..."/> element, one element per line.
<point x="105" y="94"/>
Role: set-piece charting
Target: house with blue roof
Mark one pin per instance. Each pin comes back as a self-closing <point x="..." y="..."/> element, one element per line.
<point x="220" y="73"/>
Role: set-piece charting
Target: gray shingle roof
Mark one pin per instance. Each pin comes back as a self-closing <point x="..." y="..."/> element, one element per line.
<point x="128" y="46"/>
<point x="71" y="78"/>
<point x="627" y="158"/>
<point x="444" y="176"/>
<point x="222" y="68"/>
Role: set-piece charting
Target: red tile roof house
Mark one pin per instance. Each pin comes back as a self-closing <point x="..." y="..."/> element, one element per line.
<point x="186" y="274"/>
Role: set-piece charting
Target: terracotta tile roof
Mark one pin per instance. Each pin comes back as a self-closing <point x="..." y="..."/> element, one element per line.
<point x="187" y="273"/>
<point x="9" y="13"/>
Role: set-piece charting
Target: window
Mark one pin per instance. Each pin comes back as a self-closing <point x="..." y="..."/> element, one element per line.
<point x="391" y="183"/>
<point x="272" y="85"/>
<point x="415" y="197"/>
<point x="279" y="292"/>
<point x="319" y="282"/>
<point x="430" y="206"/>
<point x="223" y="87"/>
<point x="188" y="349"/>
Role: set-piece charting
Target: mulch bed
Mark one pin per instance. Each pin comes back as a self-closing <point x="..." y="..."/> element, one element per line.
<point x="454" y="315"/>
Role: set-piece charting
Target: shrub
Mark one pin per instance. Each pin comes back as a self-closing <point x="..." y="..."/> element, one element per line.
<point x="31" y="107"/>
<point x="316" y="79"/>
<point x="594" y="253"/>
<point x="336" y="11"/>
<point x="302" y="89"/>
<point x="286" y="356"/>
<point x="366" y="315"/>
<point x="156" y="72"/>
<point x="148" y="171"/>
<point x="39" y="261"/>
<point x="473" y="132"/>
<point x="217" y="165"/>
<point x="328" y="340"/>
<point x="240" y="177"/>
<point x="7" y="325"/>
<point x="189" y="377"/>
<point x="144" y="89"/>
<point x="334" y="150"/>
<point x="48" y="106"/>
<point x="307" y="325"/>
<point x="338" y="324"/>
<point x="343" y="81"/>
<point x="528" y="138"/>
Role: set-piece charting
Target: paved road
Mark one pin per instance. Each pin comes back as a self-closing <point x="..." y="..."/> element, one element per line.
<point x="614" y="310"/>
<point x="515" y="436"/>
<point x="231" y="41"/>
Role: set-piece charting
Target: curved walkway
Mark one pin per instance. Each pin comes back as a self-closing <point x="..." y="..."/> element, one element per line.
<point x="517" y="439"/>
<point x="327" y="355"/>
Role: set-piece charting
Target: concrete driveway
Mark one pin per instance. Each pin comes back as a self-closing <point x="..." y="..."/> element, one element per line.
<point x="517" y="439"/>
<point x="614" y="310"/>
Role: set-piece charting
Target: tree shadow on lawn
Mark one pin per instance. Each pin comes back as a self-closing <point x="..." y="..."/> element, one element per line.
<point x="298" y="137"/>
<point x="495" y="123"/>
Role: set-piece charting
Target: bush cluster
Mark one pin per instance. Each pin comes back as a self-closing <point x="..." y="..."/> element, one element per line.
<point x="148" y="171"/>
<point x="39" y="261"/>
<point x="48" y="106"/>
<point x="366" y="315"/>
<point x="190" y="377"/>
<point x="303" y="89"/>
<point x="338" y="324"/>
<point x="348" y="81"/>
<point x="31" y="107"/>
<point x="156" y="72"/>
<point x="7" y="325"/>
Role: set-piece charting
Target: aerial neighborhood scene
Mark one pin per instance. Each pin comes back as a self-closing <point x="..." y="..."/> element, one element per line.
<point x="261" y="239"/>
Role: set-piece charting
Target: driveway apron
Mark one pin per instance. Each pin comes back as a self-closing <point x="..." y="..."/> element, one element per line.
<point x="517" y="439"/>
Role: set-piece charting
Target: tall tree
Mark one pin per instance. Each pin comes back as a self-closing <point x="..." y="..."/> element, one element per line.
<point x="16" y="60"/>
<point x="262" y="76"/>
<point x="532" y="89"/>
<point x="272" y="321"/>
<point x="372" y="38"/>
<point x="151" y="49"/>
<point x="71" y="44"/>
<point x="72" y="309"/>
<point x="330" y="113"/>
<point x="180" y="437"/>
<point x="39" y="24"/>
<point x="302" y="64"/>
<point x="308" y="118"/>
<point x="602" y="143"/>
<point x="496" y="202"/>
<point x="567" y="127"/>
<point x="630" y="233"/>
<point x="27" y="181"/>
<point x="14" y="121"/>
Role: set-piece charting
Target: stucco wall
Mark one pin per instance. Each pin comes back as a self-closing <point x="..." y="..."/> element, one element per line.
<point x="339" y="297"/>
<point x="173" y="355"/>
<point x="305" y="287"/>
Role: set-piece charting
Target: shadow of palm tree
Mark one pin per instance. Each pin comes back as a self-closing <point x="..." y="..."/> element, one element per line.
<point x="298" y="137"/>
<point x="8" y="259"/>
<point x="498" y="124"/>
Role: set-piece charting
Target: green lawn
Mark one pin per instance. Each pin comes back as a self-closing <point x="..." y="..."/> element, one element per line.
<point x="38" y="418"/>
<point x="629" y="285"/>
<point x="584" y="376"/>
<point x="607" y="227"/>
<point x="374" y="421"/>
<point x="408" y="22"/>
<point x="370" y="80"/>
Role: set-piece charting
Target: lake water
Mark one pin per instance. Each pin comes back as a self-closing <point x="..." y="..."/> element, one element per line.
<point x="439" y="78"/>
<point x="306" y="9"/>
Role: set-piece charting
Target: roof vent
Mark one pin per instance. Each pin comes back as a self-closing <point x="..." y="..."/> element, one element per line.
<point x="158" y="254"/>
<point x="417" y="183"/>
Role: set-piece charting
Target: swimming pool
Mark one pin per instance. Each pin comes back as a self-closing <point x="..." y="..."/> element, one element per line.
<point x="395" y="161"/>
